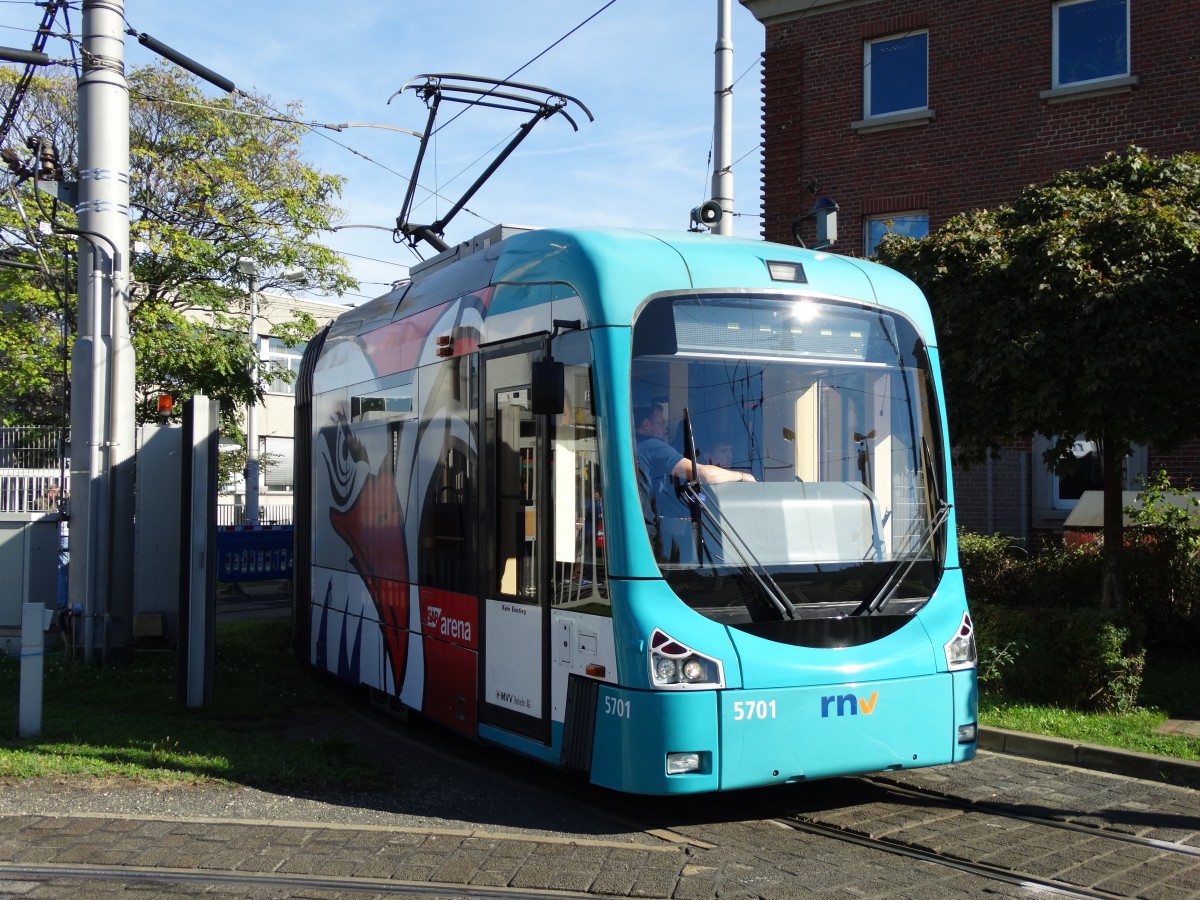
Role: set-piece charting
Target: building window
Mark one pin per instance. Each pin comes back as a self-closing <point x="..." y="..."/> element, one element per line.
<point x="1091" y="41"/>
<point x="913" y="224"/>
<point x="896" y="75"/>
<point x="280" y="354"/>
<point x="1085" y="476"/>
<point x="1055" y="495"/>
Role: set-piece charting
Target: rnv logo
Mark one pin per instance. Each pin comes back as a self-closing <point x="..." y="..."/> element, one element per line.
<point x="848" y="704"/>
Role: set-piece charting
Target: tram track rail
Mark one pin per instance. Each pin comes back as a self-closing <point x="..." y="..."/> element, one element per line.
<point x="231" y="882"/>
<point x="1085" y="860"/>
<point x="998" y="809"/>
<point x="992" y="873"/>
<point x="1003" y="844"/>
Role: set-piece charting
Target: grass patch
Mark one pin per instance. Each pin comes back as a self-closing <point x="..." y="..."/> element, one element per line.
<point x="1170" y="690"/>
<point x="272" y="723"/>
<point x="275" y="724"/>
<point x="1127" y="731"/>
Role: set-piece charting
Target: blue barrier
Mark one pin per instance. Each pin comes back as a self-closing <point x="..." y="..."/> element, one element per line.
<point x="254" y="552"/>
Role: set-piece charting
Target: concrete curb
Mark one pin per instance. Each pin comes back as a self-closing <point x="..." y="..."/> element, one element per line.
<point x="1179" y="772"/>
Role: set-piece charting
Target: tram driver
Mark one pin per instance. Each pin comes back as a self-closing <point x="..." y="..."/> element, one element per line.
<point x="668" y="520"/>
<point x="657" y="459"/>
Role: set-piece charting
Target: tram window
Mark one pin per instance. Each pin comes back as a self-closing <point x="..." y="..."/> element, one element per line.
<point x="517" y="481"/>
<point x="830" y="408"/>
<point x="580" y="556"/>
<point x="448" y="526"/>
<point x="448" y="556"/>
<point x="383" y="405"/>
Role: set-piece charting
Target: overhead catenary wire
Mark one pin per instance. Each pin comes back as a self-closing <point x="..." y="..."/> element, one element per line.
<point x="39" y="45"/>
<point x="276" y="115"/>
<point x="44" y="31"/>
<point x="526" y="65"/>
<point x="319" y="127"/>
<point x="712" y="138"/>
<point x="227" y="85"/>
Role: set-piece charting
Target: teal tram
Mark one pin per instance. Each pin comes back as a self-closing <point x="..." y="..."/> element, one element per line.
<point x="670" y="509"/>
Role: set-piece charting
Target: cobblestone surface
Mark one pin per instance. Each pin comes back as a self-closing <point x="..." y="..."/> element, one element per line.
<point x="192" y="841"/>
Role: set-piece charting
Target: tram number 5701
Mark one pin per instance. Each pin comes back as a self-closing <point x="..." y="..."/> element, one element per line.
<point x="616" y="706"/>
<point x="753" y="709"/>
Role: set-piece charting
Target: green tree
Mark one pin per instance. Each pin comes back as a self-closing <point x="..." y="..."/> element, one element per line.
<point x="211" y="180"/>
<point x="33" y="348"/>
<point x="37" y="307"/>
<point x="1075" y="311"/>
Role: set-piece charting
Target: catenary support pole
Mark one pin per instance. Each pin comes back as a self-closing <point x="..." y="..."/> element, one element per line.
<point x="102" y="413"/>
<point x="722" y="179"/>
<point x="252" y="460"/>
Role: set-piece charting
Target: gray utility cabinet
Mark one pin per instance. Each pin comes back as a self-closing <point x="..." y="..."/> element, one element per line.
<point x="28" y="569"/>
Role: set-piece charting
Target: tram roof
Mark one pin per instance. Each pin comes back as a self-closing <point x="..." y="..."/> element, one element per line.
<point x="614" y="270"/>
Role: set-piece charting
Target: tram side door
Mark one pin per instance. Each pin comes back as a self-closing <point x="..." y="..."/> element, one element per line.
<point x="515" y="679"/>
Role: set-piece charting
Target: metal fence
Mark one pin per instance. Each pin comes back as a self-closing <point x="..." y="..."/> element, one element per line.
<point x="33" y="464"/>
<point x="32" y="447"/>
<point x="35" y="471"/>
<point x="268" y="514"/>
<point x="29" y="490"/>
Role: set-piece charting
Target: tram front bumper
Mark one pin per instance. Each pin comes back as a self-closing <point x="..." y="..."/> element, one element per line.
<point x="694" y="741"/>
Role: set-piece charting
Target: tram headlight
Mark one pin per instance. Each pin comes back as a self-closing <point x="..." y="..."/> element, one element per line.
<point x="960" y="649"/>
<point x="675" y="666"/>
<point x="682" y="763"/>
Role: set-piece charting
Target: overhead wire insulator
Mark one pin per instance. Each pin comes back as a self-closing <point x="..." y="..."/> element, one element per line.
<point x="46" y="158"/>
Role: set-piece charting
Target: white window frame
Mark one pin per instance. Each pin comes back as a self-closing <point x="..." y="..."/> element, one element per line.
<point x="868" y="247"/>
<point x="868" y="47"/>
<point x="289" y="356"/>
<point x="1055" y="71"/>
<point x="1050" y="510"/>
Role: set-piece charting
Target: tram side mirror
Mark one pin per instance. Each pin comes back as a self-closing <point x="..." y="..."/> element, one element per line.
<point x="549" y="389"/>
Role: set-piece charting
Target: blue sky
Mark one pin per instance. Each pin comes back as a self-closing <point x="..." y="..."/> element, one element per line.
<point x="643" y="67"/>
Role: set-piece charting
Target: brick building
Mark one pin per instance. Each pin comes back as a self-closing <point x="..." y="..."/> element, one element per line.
<point x="908" y="111"/>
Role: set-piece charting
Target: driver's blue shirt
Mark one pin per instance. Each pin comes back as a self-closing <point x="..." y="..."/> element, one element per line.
<point x="656" y="459"/>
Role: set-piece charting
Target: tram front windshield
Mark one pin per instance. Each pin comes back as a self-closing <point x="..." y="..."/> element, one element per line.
<point x="820" y="418"/>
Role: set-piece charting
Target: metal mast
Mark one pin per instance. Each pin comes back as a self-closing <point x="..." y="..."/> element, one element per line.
<point x="722" y="178"/>
<point x="102" y="369"/>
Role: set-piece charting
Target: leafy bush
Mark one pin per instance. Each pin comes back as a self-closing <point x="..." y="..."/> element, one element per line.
<point x="1077" y="658"/>
<point x="997" y="570"/>
<point x="1042" y="637"/>
<point x="1162" y="564"/>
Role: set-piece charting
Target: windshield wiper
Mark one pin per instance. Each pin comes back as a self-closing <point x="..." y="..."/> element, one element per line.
<point x="900" y="569"/>
<point x="690" y="490"/>
<point x="774" y="593"/>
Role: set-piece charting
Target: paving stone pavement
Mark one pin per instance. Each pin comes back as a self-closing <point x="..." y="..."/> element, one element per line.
<point x="392" y="854"/>
<point x="51" y="848"/>
<point x="450" y="838"/>
<point x="759" y="859"/>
